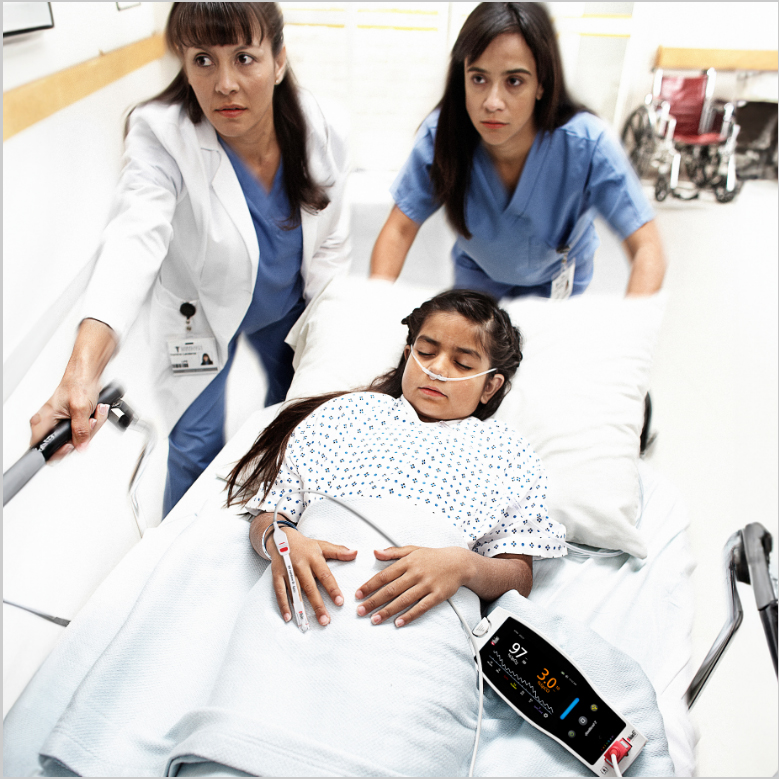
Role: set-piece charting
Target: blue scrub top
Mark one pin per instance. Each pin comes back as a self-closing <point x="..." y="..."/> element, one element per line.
<point x="279" y="284"/>
<point x="570" y="175"/>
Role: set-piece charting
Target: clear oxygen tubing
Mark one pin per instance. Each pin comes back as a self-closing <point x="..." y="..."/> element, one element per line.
<point x="616" y="552"/>
<point x="438" y="377"/>
<point x="392" y="541"/>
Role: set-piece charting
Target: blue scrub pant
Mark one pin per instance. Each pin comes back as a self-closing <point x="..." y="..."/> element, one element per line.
<point x="198" y="436"/>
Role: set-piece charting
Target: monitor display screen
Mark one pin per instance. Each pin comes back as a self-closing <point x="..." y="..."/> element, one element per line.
<point x="549" y="690"/>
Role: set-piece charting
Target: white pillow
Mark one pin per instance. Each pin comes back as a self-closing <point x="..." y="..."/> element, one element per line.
<point x="578" y="396"/>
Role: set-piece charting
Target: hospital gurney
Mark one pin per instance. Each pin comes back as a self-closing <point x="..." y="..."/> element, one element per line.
<point x="555" y="588"/>
<point x="624" y="599"/>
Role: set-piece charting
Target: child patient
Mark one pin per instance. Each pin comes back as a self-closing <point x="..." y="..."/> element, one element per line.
<point x="422" y="432"/>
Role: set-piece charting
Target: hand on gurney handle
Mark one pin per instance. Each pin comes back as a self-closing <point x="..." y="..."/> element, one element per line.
<point x="76" y="397"/>
<point x="57" y="439"/>
<point x="57" y="442"/>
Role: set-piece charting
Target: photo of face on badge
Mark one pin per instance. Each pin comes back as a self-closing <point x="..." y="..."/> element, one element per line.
<point x="192" y="355"/>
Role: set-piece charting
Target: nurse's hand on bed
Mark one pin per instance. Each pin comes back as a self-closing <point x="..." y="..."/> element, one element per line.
<point x="421" y="576"/>
<point x="309" y="557"/>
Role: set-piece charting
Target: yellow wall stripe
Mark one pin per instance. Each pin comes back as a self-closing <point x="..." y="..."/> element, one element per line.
<point x="287" y="9"/>
<point x="393" y="27"/>
<point x="721" y="59"/>
<point x="396" y="11"/>
<point x="30" y="103"/>
<point x="314" y="24"/>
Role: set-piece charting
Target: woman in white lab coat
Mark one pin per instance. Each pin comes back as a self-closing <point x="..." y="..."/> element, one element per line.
<point x="228" y="219"/>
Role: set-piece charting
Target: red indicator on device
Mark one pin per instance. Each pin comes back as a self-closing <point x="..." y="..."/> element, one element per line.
<point x="283" y="549"/>
<point x="619" y="749"/>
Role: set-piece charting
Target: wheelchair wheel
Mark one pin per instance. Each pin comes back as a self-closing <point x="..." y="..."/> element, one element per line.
<point x="638" y="138"/>
<point x="701" y="164"/>
<point x="722" y="194"/>
<point x="661" y="189"/>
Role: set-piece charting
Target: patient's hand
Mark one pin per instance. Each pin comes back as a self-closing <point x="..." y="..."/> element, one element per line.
<point x="421" y="576"/>
<point x="308" y="557"/>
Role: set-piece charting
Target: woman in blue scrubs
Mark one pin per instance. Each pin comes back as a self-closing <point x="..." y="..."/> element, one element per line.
<point x="520" y="170"/>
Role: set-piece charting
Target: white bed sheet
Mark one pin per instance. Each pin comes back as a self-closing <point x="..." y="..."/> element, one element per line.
<point x="643" y="607"/>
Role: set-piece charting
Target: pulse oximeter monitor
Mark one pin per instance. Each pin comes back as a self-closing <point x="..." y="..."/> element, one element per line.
<point x="545" y="687"/>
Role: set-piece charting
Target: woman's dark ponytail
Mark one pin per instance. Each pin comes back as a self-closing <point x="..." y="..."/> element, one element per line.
<point x="291" y="135"/>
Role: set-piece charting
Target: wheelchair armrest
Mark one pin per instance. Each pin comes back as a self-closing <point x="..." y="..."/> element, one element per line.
<point x="664" y="119"/>
<point x="730" y="143"/>
<point x="669" y="131"/>
<point x="728" y="124"/>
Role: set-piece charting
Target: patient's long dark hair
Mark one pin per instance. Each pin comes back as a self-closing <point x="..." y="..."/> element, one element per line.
<point x="227" y="24"/>
<point x="502" y="341"/>
<point x="456" y="137"/>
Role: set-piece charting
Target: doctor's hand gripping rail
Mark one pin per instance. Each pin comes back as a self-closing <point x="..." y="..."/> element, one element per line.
<point x="123" y="417"/>
<point x="39" y="454"/>
<point x="746" y="560"/>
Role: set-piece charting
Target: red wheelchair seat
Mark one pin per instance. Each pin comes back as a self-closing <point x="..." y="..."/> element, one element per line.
<point x="687" y="97"/>
<point x="699" y="140"/>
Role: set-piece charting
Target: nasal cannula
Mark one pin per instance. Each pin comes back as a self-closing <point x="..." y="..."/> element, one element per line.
<point x="438" y="377"/>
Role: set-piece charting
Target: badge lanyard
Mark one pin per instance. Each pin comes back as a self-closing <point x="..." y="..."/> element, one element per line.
<point x="562" y="283"/>
<point x="192" y="353"/>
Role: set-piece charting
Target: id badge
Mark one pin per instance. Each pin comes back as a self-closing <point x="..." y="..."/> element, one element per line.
<point x="193" y="355"/>
<point x="562" y="283"/>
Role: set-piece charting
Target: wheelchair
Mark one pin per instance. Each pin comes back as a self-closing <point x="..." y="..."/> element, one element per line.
<point x="681" y="127"/>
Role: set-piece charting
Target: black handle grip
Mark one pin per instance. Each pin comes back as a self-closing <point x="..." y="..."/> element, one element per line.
<point x="61" y="434"/>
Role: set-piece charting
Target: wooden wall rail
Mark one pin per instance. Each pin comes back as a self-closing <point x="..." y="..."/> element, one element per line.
<point x="721" y="59"/>
<point x="30" y="103"/>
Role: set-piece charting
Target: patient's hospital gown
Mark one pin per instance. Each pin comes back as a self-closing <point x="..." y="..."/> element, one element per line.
<point x="481" y="474"/>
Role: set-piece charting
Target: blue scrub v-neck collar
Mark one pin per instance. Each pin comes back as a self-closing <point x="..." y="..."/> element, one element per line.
<point x="518" y="202"/>
<point x="248" y="174"/>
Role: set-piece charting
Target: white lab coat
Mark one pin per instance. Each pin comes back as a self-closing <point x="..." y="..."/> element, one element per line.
<point x="180" y="231"/>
